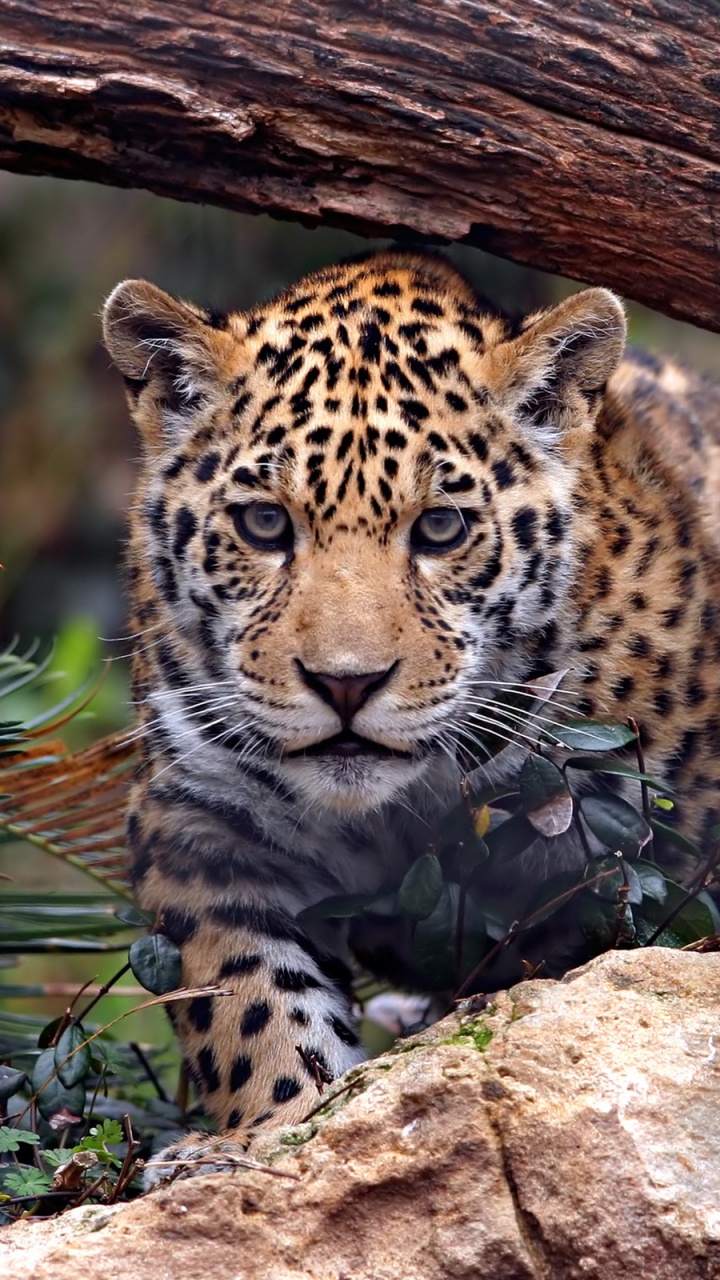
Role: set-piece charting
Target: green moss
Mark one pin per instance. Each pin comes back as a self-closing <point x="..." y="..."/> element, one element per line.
<point x="477" y="1035"/>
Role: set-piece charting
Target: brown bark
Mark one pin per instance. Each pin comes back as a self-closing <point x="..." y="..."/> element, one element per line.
<point x="580" y="137"/>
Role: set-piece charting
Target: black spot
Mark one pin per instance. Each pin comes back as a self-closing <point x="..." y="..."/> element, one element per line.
<point x="456" y="402"/>
<point x="241" y="475"/>
<point x="207" y="466"/>
<point x="345" y="445"/>
<point x="157" y="516"/>
<point x="623" y="688"/>
<point x="478" y="445"/>
<point x="207" y="1068"/>
<point x="621" y="541"/>
<point x="524" y="526"/>
<point x="426" y="307"/>
<point x="300" y="1016"/>
<point x="240" y="1072"/>
<point x="555" y="524"/>
<point x="503" y="473"/>
<point x="235" y="1118"/>
<point x="175" y="467"/>
<point x="200" y="1012"/>
<point x="387" y="289"/>
<point x="238" y="965"/>
<point x="663" y="703"/>
<point x="320" y="435"/>
<point x="395" y="439"/>
<point x="285" y="1088"/>
<point x="178" y="925"/>
<point x="255" y="1018"/>
<point x="672" y="617"/>
<point x="462" y="484"/>
<point x="295" y="980"/>
<point x="342" y="1031"/>
<point x="370" y="342"/>
<point x="216" y="319"/>
<point x="185" y="528"/>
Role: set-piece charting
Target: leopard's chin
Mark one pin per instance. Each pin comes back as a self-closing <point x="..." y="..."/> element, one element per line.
<point x="354" y="781"/>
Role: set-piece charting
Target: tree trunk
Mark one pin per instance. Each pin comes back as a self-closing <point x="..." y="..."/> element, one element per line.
<point x="581" y="137"/>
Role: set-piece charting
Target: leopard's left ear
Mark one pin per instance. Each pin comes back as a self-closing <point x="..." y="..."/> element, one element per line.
<point x="553" y="375"/>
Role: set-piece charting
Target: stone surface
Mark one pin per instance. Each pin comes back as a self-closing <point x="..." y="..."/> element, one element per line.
<point x="571" y="1132"/>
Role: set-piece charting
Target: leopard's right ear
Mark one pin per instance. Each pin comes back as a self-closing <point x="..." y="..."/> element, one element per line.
<point x="170" y="354"/>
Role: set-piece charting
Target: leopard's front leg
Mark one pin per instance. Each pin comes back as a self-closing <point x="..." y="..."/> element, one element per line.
<point x="257" y="1055"/>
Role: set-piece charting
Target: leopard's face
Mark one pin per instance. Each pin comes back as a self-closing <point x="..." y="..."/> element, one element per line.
<point x="355" y="519"/>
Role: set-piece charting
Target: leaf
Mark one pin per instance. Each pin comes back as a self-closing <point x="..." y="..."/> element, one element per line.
<point x="433" y="946"/>
<point x="52" y="1095"/>
<point x="156" y="963"/>
<point x="694" y="920"/>
<point x="510" y="837"/>
<point x="553" y="895"/>
<point x="71" y="1046"/>
<point x="674" y="837"/>
<point x="11" y="1139"/>
<point x="589" y="735"/>
<point x="421" y="887"/>
<point x="652" y="881"/>
<point x="11" y="1082"/>
<point x="545" y="797"/>
<point x="599" y="922"/>
<point x="621" y="872"/>
<point x="616" y="824"/>
<point x="28" y="1182"/>
<point x="599" y="764"/>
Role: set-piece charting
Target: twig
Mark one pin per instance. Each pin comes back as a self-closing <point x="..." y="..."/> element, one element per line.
<point x="526" y="923"/>
<point x="102" y="991"/>
<point x="147" y="1068"/>
<point x="644" y="789"/>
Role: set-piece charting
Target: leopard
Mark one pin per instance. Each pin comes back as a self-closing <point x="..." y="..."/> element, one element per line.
<point x="361" y="507"/>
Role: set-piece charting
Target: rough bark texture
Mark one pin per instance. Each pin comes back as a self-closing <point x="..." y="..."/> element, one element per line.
<point x="573" y="1132"/>
<point x="581" y="137"/>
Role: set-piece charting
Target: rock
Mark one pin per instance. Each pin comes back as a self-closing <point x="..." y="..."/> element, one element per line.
<point x="572" y="1131"/>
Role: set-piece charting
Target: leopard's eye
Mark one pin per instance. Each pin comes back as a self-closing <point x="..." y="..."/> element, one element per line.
<point x="263" y="524"/>
<point x="438" y="529"/>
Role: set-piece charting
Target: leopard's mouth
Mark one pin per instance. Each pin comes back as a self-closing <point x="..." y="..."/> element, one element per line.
<point x="347" y="744"/>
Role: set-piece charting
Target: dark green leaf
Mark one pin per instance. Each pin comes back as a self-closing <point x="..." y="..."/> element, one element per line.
<point x="11" y="1081"/>
<point x="589" y="735"/>
<point x="53" y="1095"/>
<point x="510" y="837"/>
<point x="694" y="920"/>
<point x="77" y="1066"/>
<point x="652" y="881"/>
<point x="340" y="906"/>
<point x="553" y="895"/>
<point x="545" y="797"/>
<point x="616" y="823"/>
<point x="420" y="890"/>
<point x="600" y="764"/>
<point x="620" y="873"/>
<point x="156" y="963"/>
<point x="434" y="942"/>
<point x="669" y="834"/>
<point x="598" y="922"/>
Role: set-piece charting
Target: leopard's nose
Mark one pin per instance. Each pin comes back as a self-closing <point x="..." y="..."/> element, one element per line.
<point x="345" y="694"/>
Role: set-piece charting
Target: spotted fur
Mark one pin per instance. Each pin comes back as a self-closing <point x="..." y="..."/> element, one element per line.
<point x="358" y="400"/>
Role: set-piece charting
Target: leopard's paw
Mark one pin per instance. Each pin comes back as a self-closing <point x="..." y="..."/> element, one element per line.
<point x="194" y="1154"/>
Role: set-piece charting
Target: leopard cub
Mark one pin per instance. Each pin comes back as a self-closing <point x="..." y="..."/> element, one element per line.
<point x="359" y="507"/>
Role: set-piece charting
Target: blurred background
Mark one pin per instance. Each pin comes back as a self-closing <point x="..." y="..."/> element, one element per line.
<point x="67" y="448"/>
